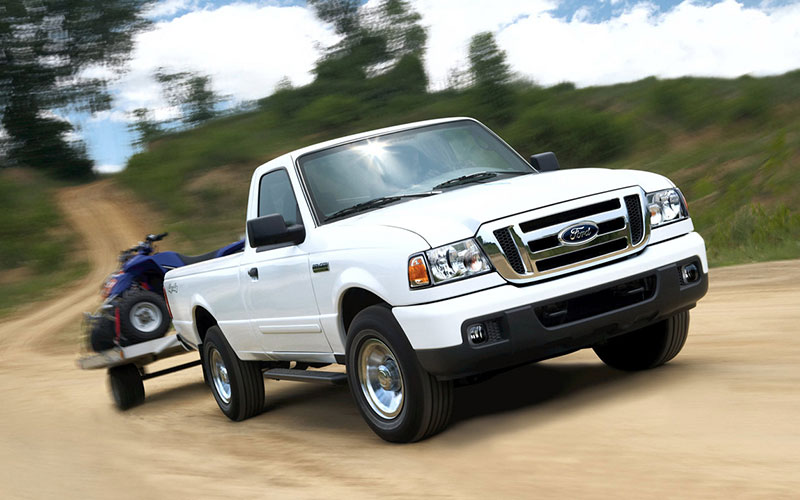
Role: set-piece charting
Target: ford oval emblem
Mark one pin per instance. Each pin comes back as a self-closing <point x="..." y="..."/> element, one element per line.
<point x="579" y="233"/>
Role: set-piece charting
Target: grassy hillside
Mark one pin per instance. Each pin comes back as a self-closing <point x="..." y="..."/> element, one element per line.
<point x="37" y="249"/>
<point x="733" y="146"/>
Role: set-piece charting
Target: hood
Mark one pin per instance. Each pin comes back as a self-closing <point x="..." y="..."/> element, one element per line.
<point x="458" y="213"/>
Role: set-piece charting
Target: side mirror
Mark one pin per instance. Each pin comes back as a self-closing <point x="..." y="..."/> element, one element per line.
<point x="271" y="230"/>
<point x="545" y="162"/>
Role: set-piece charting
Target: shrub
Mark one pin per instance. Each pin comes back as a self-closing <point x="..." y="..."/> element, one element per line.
<point x="333" y="111"/>
<point x="579" y="136"/>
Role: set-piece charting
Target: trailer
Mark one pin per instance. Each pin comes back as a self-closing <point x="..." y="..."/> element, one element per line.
<point x="126" y="366"/>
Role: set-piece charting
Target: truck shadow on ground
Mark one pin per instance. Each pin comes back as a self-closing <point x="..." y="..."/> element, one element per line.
<point x="534" y="385"/>
<point x="178" y="394"/>
<point x="557" y="387"/>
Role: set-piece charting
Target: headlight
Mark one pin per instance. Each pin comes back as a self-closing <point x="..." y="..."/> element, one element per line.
<point x="108" y="286"/>
<point x="666" y="206"/>
<point x="447" y="263"/>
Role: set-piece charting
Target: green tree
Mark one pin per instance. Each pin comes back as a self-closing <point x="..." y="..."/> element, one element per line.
<point x="145" y="126"/>
<point x="490" y="73"/>
<point x="386" y="41"/>
<point x="342" y="14"/>
<point x="400" y="25"/>
<point x="191" y="93"/>
<point x="45" y="48"/>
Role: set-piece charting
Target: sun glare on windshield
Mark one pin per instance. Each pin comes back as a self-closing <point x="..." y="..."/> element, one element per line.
<point x="372" y="149"/>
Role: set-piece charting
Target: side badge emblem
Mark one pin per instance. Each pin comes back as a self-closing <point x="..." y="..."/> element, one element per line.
<point x="321" y="267"/>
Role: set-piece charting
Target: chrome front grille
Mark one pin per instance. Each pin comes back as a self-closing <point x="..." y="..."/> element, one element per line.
<point x="527" y="246"/>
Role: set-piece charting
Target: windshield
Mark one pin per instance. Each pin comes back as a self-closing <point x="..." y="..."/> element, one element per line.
<point x="411" y="162"/>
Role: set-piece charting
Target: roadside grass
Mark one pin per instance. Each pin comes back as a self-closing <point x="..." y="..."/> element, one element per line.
<point x="37" y="248"/>
<point x="731" y="145"/>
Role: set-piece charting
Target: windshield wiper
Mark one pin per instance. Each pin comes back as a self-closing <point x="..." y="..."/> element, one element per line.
<point x="474" y="177"/>
<point x="377" y="202"/>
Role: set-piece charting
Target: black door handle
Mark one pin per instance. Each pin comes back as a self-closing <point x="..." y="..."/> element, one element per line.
<point x="253" y="273"/>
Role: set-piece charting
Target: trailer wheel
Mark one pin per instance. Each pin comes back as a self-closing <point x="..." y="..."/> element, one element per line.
<point x="238" y="386"/>
<point x="398" y="399"/>
<point x="127" y="387"/>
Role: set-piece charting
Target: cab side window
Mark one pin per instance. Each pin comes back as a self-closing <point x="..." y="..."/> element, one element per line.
<point x="275" y="196"/>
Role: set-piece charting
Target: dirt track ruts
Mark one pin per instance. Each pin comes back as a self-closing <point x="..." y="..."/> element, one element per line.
<point x="721" y="420"/>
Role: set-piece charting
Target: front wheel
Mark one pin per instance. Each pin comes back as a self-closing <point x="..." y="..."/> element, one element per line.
<point x="143" y="315"/>
<point x="647" y="347"/>
<point x="398" y="399"/>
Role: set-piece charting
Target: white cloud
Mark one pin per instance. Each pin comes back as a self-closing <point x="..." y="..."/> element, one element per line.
<point x="169" y="8"/>
<point x="725" y="39"/>
<point x="582" y="14"/>
<point x="48" y="114"/>
<point x="245" y="48"/>
<point x="72" y="136"/>
<point x="108" y="169"/>
<point x="451" y="23"/>
<point x="248" y="48"/>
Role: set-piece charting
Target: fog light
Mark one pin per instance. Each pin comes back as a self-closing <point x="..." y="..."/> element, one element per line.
<point x="690" y="273"/>
<point x="477" y="333"/>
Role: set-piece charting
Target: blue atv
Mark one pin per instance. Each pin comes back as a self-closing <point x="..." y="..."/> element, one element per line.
<point x="134" y="309"/>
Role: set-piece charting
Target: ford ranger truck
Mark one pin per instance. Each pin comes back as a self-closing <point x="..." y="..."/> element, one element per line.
<point x="429" y="254"/>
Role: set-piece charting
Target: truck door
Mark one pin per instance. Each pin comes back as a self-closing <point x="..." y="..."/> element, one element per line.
<point x="276" y="280"/>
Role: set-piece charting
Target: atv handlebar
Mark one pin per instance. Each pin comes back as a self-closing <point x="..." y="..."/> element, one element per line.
<point x="156" y="237"/>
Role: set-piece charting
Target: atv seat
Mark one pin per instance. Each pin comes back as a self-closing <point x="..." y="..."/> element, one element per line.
<point x="194" y="259"/>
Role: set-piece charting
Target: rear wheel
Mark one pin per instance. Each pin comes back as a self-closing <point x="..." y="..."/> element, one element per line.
<point x="143" y="315"/>
<point x="238" y="386"/>
<point x="127" y="387"/>
<point x="399" y="400"/>
<point x="647" y="347"/>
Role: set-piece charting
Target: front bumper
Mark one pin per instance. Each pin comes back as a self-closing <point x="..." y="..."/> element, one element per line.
<point x="553" y="318"/>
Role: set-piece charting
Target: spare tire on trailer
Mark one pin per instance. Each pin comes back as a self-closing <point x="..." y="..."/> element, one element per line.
<point x="102" y="334"/>
<point x="143" y="315"/>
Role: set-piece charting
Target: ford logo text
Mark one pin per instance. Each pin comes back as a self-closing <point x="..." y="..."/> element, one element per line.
<point x="579" y="233"/>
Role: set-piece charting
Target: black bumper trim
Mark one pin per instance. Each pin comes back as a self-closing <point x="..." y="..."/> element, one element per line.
<point x="524" y="339"/>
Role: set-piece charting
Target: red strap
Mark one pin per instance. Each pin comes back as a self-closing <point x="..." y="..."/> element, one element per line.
<point x="116" y="324"/>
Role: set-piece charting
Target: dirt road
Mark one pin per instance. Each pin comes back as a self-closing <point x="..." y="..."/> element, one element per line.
<point x="721" y="420"/>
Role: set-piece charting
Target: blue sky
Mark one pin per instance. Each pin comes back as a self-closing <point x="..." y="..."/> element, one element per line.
<point x="247" y="46"/>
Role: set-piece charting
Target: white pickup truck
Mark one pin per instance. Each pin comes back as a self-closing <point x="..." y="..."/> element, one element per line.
<point x="432" y="253"/>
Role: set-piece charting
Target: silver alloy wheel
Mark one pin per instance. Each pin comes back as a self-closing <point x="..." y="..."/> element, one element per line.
<point x="381" y="378"/>
<point x="145" y="317"/>
<point x="219" y="374"/>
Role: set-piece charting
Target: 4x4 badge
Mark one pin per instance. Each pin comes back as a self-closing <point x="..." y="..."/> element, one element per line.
<point x="172" y="287"/>
<point x="321" y="267"/>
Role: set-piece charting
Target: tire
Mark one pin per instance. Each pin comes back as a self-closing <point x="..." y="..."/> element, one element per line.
<point x="647" y="347"/>
<point x="143" y="316"/>
<point x="424" y="405"/>
<point x="101" y="335"/>
<point x="127" y="387"/>
<point x="243" y="395"/>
